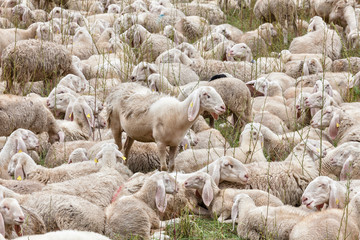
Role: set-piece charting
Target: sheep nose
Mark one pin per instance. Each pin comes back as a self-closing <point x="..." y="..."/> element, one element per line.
<point x="223" y="108"/>
<point x="21" y="218"/>
<point x="246" y="176"/>
<point x="132" y="78"/>
<point x="311" y="122"/>
<point x="48" y="103"/>
<point x="304" y="199"/>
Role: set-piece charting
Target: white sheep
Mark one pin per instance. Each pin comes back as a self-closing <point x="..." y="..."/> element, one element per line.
<point x="83" y="45"/>
<point x="137" y="214"/>
<point x="254" y="222"/>
<point x="321" y="40"/>
<point x="74" y="83"/>
<point x="239" y="52"/>
<point x="219" y="201"/>
<point x="205" y="98"/>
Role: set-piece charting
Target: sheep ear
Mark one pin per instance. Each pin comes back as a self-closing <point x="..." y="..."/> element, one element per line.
<point x="152" y="68"/>
<point x="152" y="86"/>
<point x="216" y="172"/>
<point x="119" y="155"/>
<point x="346" y="169"/>
<point x="69" y="115"/>
<point x="207" y="192"/>
<point x="306" y="68"/>
<point x="331" y="93"/>
<point x="98" y="156"/>
<point x="20" y="145"/>
<point x="334" y="126"/>
<point x="333" y="201"/>
<point x="235" y="212"/>
<point x="89" y="115"/>
<point x="137" y="39"/>
<point x="176" y="38"/>
<point x="2" y="225"/>
<point x="61" y="136"/>
<point x="185" y="59"/>
<point x="160" y="196"/>
<point x="19" y="172"/>
<point x="194" y="106"/>
<point x="185" y="144"/>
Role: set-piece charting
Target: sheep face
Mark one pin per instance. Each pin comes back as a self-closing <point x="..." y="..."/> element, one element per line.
<point x="233" y="170"/>
<point x="196" y="182"/>
<point x="316" y="23"/>
<point x="317" y="193"/>
<point x="44" y="32"/>
<point x="58" y="12"/>
<point x="82" y="34"/>
<point x="322" y="119"/>
<point x="114" y="8"/>
<point x="240" y="52"/>
<point x="142" y="71"/>
<point x="170" y="184"/>
<point x="28" y="137"/>
<point x="11" y="211"/>
<point x="300" y="101"/>
<point x="211" y="101"/>
<point x="78" y="155"/>
<point x="323" y="86"/>
<point x="60" y="101"/>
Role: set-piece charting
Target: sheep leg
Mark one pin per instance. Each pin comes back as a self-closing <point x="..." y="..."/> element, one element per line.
<point x="117" y="136"/>
<point x="223" y="217"/>
<point x="211" y="121"/>
<point x="172" y="153"/>
<point x="162" y="155"/>
<point x="128" y="143"/>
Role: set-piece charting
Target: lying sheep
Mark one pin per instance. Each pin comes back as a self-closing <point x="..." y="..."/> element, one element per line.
<point x="38" y="118"/>
<point x="31" y="60"/>
<point x="341" y="124"/>
<point x="250" y="150"/>
<point x="205" y="98"/>
<point x="322" y="39"/>
<point x="177" y="74"/>
<point x="274" y="222"/>
<point x="22" y="187"/>
<point x="192" y="27"/>
<point x="210" y="12"/>
<point x="122" y="220"/>
<point x="11" y="217"/>
<point x="22" y="166"/>
<point x="292" y="175"/>
<point x="219" y="201"/>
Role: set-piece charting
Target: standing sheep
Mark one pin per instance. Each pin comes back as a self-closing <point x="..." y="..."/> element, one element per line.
<point x="33" y="60"/>
<point x="124" y="113"/>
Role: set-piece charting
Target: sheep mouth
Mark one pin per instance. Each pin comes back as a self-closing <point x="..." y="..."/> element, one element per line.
<point x="17" y="229"/>
<point x="319" y="207"/>
<point x="308" y="205"/>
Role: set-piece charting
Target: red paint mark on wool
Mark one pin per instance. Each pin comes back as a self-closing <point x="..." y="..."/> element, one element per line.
<point x="117" y="193"/>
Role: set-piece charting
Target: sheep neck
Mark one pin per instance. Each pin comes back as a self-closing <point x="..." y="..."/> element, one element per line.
<point x="165" y="86"/>
<point x="147" y="193"/>
<point x="30" y="166"/>
<point x="26" y="34"/>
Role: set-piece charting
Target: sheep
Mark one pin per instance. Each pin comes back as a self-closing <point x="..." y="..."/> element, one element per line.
<point x="240" y="109"/>
<point x="198" y="101"/>
<point x="192" y="27"/>
<point x="11" y="215"/>
<point x="58" y="212"/>
<point x="78" y="155"/>
<point x="258" y="39"/>
<point x="332" y="223"/>
<point x="73" y="82"/>
<point x="219" y="201"/>
<point x="250" y="150"/>
<point x="350" y="165"/>
<point x="264" y="221"/>
<point x="107" y="182"/>
<point x="15" y="34"/>
<point x="122" y="220"/>
<point x="176" y="73"/>
<point x="151" y="45"/>
<point x="229" y="31"/>
<point x="292" y="175"/>
<point x="210" y="12"/>
<point x="351" y="64"/>
<point x="173" y="56"/>
<point x="22" y="166"/>
<point x="176" y="36"/>
<point x="321" y="40"/>
<point x="208" y="68"/>
<point x="284" y="12"/>
<point x="298" y="67"/>
<point x="82" y="121"/>
<point x="207" y="136"/>
<point x="22" y="187"/>
<point x="340" y="124"/>
<point x="38" y="119"/>
<point x="287" y="56"/>
<point x="240" y="52"/>
<point x="83" y="45"/>
<point x="24" y="61"/>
